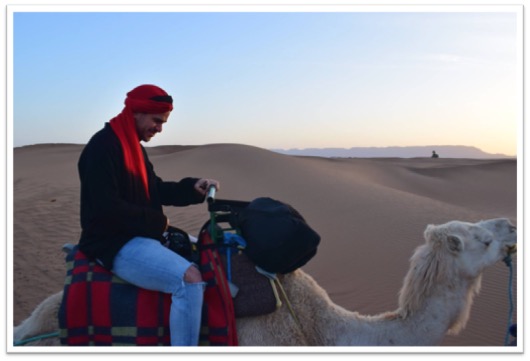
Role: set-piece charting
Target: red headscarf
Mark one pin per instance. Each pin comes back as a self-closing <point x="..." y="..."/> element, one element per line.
<point x="147" y="99"/>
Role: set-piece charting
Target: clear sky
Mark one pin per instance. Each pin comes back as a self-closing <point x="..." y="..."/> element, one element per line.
<point x="274" y="79"/>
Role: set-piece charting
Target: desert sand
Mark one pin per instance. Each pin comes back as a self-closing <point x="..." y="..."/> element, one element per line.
<point x="370" y="213"/>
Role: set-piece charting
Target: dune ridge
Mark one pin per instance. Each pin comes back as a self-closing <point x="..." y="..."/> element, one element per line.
<point x="370" y="213"/>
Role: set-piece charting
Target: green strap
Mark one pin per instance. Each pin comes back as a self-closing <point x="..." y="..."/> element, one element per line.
<point x="36" y="338"/>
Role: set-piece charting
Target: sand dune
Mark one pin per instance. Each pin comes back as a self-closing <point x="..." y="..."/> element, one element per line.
<point x="370" y="213"/>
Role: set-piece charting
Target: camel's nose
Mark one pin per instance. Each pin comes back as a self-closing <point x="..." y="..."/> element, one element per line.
<point x="511" y="249"/>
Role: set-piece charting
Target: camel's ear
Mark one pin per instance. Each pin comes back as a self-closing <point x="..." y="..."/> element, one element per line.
<point x="455" y="244"/>
<point x="438" y="237"/>
<point x="433" y="234"/>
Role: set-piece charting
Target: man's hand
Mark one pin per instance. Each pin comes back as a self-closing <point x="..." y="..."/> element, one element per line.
<point x="203" y="185"/>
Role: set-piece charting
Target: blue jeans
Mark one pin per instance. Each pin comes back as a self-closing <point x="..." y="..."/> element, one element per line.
<point x="146" y="263"/>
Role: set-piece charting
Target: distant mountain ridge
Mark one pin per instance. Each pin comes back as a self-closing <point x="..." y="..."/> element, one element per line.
<point x="445" y="151"/>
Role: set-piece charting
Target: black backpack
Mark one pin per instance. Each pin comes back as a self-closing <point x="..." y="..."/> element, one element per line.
<point x="278" y="238"/>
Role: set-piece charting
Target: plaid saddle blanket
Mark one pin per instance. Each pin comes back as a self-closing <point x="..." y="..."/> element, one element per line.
<point x="100" y="309"/>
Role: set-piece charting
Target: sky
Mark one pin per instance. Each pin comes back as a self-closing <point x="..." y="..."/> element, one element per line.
<point x="275" y="79"/>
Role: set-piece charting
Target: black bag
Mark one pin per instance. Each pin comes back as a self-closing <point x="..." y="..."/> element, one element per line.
<point x="278" y="238"/>
<point x="178" y="241"/>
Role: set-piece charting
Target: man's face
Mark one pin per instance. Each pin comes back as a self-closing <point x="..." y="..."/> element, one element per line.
<point x="147" y="125"/>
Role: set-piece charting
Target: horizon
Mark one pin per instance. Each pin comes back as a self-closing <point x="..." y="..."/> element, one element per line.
<point x="277" y="79"/>
<point x="308" y="151"/>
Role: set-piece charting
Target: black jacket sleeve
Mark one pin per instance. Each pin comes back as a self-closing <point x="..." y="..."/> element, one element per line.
<point x="173" y="193"/>
<point x="180" y="193"/>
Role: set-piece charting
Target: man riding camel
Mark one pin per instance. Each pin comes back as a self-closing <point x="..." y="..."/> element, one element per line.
<point x="122" y="218"/>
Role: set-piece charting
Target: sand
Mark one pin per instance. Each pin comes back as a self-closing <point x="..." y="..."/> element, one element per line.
<point x="370" y="213"/>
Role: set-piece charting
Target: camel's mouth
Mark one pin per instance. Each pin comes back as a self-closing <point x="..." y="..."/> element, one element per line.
<point x="511" y="249"/>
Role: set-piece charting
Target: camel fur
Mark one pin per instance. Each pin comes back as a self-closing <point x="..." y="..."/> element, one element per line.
<point x="437" y="294"/>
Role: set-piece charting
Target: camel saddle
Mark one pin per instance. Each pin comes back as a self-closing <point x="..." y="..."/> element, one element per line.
<point x="99" y="308"/>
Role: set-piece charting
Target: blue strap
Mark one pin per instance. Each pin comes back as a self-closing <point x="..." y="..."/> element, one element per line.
<point x="232" y="239"/>
<point x="508" y="261"/>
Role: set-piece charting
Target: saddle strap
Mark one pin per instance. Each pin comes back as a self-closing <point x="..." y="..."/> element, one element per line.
<point x="276" y="295"/>
<point x="276" y="282"/>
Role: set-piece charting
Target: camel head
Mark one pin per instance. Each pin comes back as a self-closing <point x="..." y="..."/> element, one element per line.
<point x="471" y="247"/>
<point x="452" y="260"/>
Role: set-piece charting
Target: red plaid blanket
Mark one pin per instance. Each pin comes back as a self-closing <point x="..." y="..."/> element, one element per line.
<point x="218" y="308"/>
<point x="100" y="309"/>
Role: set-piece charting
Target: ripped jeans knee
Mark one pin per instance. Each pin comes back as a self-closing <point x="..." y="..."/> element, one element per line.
<point x="146" y="263"/>
<point x="192" y="274"/>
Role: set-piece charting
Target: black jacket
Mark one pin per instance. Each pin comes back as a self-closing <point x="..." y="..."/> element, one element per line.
<point x="113" y="210"/>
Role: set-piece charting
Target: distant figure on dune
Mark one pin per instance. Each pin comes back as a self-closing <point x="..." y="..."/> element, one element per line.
<point x="434" y="155"/>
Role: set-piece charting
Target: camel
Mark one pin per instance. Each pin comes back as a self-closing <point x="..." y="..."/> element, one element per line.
<point x="435" y="299"/>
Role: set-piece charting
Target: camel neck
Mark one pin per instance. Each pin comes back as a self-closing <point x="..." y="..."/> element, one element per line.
<point x="426" y="326"/>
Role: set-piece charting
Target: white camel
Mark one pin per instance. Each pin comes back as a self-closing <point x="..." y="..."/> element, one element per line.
<point x="435" y="300"/>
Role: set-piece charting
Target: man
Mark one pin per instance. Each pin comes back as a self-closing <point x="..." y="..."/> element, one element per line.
<point x="121" y="209"/>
